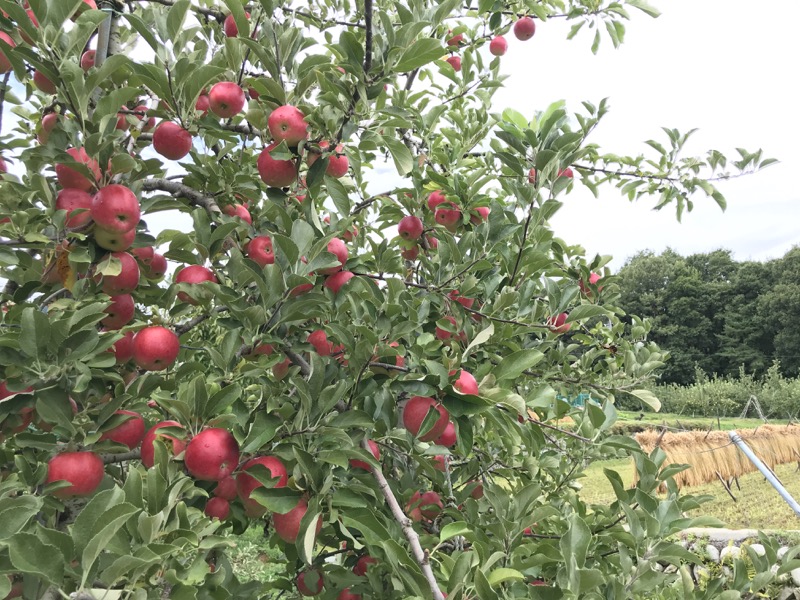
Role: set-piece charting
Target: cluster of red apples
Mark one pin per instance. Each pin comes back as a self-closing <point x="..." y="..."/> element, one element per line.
<point x="523" y="28"/>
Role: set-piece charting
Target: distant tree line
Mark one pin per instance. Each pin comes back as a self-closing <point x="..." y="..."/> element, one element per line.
<point x="713" y="312"/>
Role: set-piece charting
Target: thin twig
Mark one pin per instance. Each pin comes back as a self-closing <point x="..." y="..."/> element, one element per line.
<point x="368" y="40"/>
<point x="182" y="191"/>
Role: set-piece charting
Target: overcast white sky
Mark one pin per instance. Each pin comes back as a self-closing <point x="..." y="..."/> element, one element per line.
<point x="727" y="67"/>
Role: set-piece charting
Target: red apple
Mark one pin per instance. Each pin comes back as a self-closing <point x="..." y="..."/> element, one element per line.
<point x="144" y="254"/>
<point x="203" y="104"/>
<point x="479" y="215"/>
<point x="310" y="583"/>
<point x="259" y="250"/>
<point x="465" y="302"/>
<point x="155" y="348"/>
<point x="346" y="594"/>
<point x="415" y="411"/>
<point x="70" y="178"/>
<point x="149" y="451"/>
<point x="123" y="348"/>
<point x="410" y="253"/>
<point x="465" y="383"/>
<point x="273" y="172"/>
<point x="426" y="505"/>
<point x="115" y="208"/>
<point x="120" y="312"/>
<point x="77" y="204"/>
<point x="287" y="526"/>
<point x="336" y="281"/>
<point x="115" y="241"/>
<point x="49" y="122"/>
<point x="83" y="470"/>
<point x="193" y="274"/>
<point x="226" y="99"/>
<point x="245" y="484"/>
<point x="444" y="335"/>
<point x="239" y="210"/>
<point x="361" y="464"/>
<point x="6" y="393"/>
<point x="171" y="140"/>
<point x="87" y="59"/>
<point x="448" y="437"/>
<point x="43" y="83"/>
<point x="5" y="66"/>
<point x="456" y="40"/>
<point x="212" y="455"/>
<point x="558" y="323"/>
<point x="126" y="281"/>
<point x="338" y="248"/>
<point x="319" y="339"/>
<point x="130" y="433"/>
<point x="477" y="491"/>
<point x="217" y="508"/>
<point x="435" y="199"/>
<point x="229" y="26"/>
<point x="226" y="488"/>
<point x="440" y="463"/>
<point x="449" y="215"/>
<point x="363" y="563"/>
<point x="524" y="28"/>
<point x="410" y="228"/>
<point x="498" y="46"/>
<point x="287" y="123"/>
<point x="157" y="267"/>
<point x="593" y="279"/>
<point x="455" y="62"/>
<point x="532" y="176"/>
<point x="281" y="370"/>
<point x="566" y="173"/>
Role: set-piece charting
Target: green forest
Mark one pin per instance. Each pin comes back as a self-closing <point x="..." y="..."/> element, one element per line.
<point x="715" y="315"/>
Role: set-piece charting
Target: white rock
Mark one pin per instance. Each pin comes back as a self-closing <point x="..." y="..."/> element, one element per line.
<point x="712" y="552"/>
<point x="795" y="573"/>
<point x="758" y="549"/>
<point x="782" y="552"/>
<point x="700" y="572"/>
<point x="730" y="552"/>
<point x="671" y="569"/>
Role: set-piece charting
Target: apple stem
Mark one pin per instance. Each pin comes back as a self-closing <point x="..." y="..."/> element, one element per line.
<point x="419" y="554"/>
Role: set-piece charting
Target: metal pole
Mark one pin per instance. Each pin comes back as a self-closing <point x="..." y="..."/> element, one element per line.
<point x="765" y="471"/>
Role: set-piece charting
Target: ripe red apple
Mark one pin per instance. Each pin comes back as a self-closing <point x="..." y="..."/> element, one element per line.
<point x="120" y="312"/>
<point x="217" y="508"/>
<point x="229" y="26"/>
<point x="155" y="348"/>
<point x="336" y="281"/>
<point x="126" y="281"/>
<point x="87" y="59"/>
<point x="49" y="122"/>
<point x="346" y="594"/>
<point x="193" y="274"/>
<point x="273" y="172"/>
<point x="410" y="228"/>
<point x="440" y="463"/>
<point x="448" y="437"/>
<point x="477" y="490"/>
<point x="226" y="488"/>
<point x="479" y="215"/>
<point x="456" y="40"/>
<point x="203" y="104"/>
<point x="123" y="348"/>
<point x="5" y="66"/>
<point x="338" y="248"/>
<point x="558" y="323"/>
<point x="287" y="123"/>
<point x="144" y="255"/>
<point x="361" y="464"/>
<point x="6" y="393"/>
<point x="130" y="433"/>
<point x="116" y="241"/>
<point x="226" y="99"/>
<point x="566" y="173"/>
<point x="149" y="451"/>
<point x="157" y="267"/>
<point x="410" y="253"/>
<point x="444" y="335"/>
<point x="455" y="62"/>
<point x="363" y="563"/>
<point x="70" y="178"/>
<point x="310" y="583"/>
<point x="465" y="302"/>
<point x="239" y="210"/>
<point x="338" y="164"/>
<point x="426" y="505"/>
<point x="593" y="279"/>
<point x="435" y="199"/>
<point x="245" y="483"/>
<point x="281" y="370"/>
<point x="212" y="455"/>
<point x="465" y="383"/>
<point x="115" y="208"/>
<point x="415" y="411"/>
<point x="83" y="470"/>
<point x="259" y="250"/>
<point x="448" y="215"/>
<point x="524" y="28"/>
<point x="77" y="204"/>
<point x="319" y="339"/>
<point x="498" y="46"/>
<point x="171" y="140"/>
<point x="41" y="81"/>
<point x="287" y="526"/>
<point x="532" y="176"/>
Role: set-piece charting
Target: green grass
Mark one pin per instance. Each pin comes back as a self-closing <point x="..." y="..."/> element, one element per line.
<point x="651" y="419"/>
<point x="758" y="505"/>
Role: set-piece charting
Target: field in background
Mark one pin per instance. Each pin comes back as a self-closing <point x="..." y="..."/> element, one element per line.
<point x="637" y="421"/>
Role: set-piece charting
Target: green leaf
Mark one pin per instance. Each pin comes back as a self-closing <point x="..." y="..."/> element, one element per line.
<point x="279" y="500"/>
<point x="454" y="529"/>
<point x="648" y="398"/>
<point x="13" y="517"/>
<point x="646" y="8"/>
<point x="176" y="17"/>
<point x="104" y="531"/>
<point x="502" y="575"/>
<point x="514" y="364"/>
<point x="403" y="160"/>
<point x="420" y="53"/>
<point x="479" y="339"/>
<point x="35" y="332"/>
<point x="575" y="542"/>
<point x="31" y="555"/>
<point x="586" y="311"/>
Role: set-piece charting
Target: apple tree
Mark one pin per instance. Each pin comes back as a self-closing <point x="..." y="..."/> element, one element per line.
<point x="280" y="265"/>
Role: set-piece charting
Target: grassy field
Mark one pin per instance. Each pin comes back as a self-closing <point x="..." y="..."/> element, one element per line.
<point x="757" y="506"/>
<point x="650" y="419"/>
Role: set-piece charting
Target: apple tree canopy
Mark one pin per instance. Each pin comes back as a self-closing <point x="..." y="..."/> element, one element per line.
<point x="170" y="382"/>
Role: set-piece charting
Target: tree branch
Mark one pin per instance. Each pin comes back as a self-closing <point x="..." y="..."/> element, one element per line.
<point x="419" y="554"/>
<point x="3" y="97"/>
<point x="182" y="191"/>
<point x="122" y="457"/>
<point x="368" y="41"/>
<point x="305" y="368"/>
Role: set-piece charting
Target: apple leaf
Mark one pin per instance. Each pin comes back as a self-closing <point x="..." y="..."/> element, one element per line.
<point x="419" y="54"/>
<point x="648" y="398"/>
<point x="514" y="364"/>
<point x="454" y="529"/>
<point x="479" y="339"/>
<point x="401" y="155"/>
<point x="279" y="500"/>
<point x="586" y="311"/>
<point x="502" y="575"/>
<point x="32" y="556"/>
